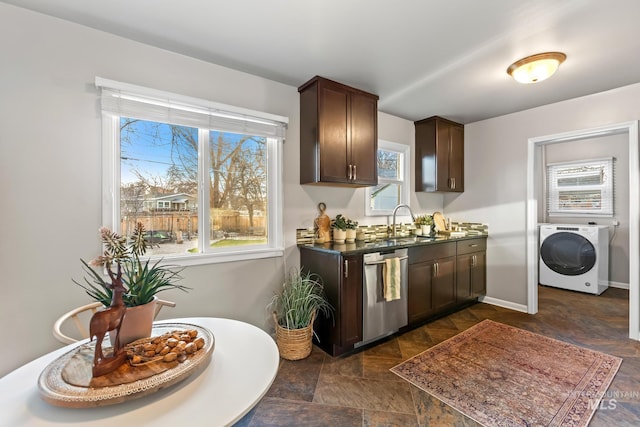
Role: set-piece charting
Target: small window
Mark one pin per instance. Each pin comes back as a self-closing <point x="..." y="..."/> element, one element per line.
<point x="583" y="188"/>
<point x="393" y="180"/>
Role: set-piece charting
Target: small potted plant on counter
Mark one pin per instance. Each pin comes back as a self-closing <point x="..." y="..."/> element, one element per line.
<point x="339" y="227"/>
<point x="352" y="226"/>
<point x="295" y="308"/>
<point x="424" y="223"/>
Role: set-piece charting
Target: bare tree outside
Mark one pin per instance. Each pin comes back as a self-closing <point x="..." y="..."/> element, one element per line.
<point x="159" y="186"/>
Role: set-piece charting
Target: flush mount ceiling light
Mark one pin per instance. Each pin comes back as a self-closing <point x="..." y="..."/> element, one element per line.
<point x="536" y="68"/>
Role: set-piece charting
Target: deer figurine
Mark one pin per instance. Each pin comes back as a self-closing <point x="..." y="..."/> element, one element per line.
<point x="107" y="320"/>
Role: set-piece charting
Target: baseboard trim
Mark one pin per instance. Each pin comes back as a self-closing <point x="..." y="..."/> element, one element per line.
<point x="504" y="304"/>
<point x="619" y="285"/>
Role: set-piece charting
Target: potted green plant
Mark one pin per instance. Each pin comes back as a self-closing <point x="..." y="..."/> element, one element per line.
<point x="425" y="223"/>
<point x="339" y="227"/>
<point x="351" y="230"/>
<point x="142" y="278"/>
<point x="295" y="308"/>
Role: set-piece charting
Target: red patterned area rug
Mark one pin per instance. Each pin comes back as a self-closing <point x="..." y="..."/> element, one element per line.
<point x="499" y="375"/>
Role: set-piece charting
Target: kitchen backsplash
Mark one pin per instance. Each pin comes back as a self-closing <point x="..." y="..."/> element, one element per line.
<point x="305" y="236"/>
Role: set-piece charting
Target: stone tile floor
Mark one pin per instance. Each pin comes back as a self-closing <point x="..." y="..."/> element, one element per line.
<point x="359" y="390"/>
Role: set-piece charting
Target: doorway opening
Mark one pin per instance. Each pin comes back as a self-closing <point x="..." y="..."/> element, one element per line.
<point x="533" y="159"/>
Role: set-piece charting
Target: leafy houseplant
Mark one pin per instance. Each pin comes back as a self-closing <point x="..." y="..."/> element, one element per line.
<point x="425" y="222"/>
<point x="143" y="279"/>
<point x="343" y="229"/>
<point x="339" y="222"/>
<point x="295" y="308"/>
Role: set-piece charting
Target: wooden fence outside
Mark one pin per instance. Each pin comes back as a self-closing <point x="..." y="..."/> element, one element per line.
<point x="225" y="221"/>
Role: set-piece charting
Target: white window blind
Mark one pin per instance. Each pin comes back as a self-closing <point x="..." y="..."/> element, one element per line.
<point x="127" y="100"/>
<point x="581" y="188"/>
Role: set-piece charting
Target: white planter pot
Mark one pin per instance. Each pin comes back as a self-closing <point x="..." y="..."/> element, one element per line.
<point x="339" y="236"/>
<point x="350" y="237"/>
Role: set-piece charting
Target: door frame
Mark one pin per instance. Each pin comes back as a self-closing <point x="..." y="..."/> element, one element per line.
<point x="631" y="129"/>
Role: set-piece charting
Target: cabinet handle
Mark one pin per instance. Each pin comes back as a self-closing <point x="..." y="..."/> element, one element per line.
<point x="435" y="269"/>
<point x="473" y="245"/>
<point x="350" y="173"/>
<point x="355" y="172"/>
<point x="346" y="269"/>
<point x="473" y="261"/>
<point x="453" y="182"/>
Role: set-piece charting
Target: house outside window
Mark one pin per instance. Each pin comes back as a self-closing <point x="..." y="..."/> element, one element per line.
<point x="207" y="176"/>
<point x="581" y="188"/>
<point x="393" y="179"/>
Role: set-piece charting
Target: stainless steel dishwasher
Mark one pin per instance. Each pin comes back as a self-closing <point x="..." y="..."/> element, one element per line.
<point x="380" y="317"/>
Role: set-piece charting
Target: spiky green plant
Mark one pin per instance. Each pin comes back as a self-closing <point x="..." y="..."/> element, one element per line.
<point x="142" y="279"/>
<point x="301" y="295"/>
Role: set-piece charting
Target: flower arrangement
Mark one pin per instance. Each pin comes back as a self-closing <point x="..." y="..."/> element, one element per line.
<point x="142" y="279"/>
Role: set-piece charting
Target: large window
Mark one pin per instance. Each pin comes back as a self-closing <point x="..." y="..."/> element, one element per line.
<point x="203" y="178"/>
<point x="583" y="188"/>
<point x="393" y="179"/>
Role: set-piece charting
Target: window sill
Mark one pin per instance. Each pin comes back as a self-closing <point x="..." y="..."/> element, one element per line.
<point x="216" y="258"/>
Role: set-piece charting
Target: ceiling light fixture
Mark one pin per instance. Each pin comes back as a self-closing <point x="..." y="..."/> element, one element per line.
<point x="536" y="68"/>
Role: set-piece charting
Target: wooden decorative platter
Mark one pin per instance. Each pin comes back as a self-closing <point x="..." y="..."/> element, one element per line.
<point x="57" y="390"/>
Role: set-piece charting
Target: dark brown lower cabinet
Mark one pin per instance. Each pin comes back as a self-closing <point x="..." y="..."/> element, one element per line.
<point x="342" y="279"/>
<point x="471" y="279"/>
<point x="432" y="286"/>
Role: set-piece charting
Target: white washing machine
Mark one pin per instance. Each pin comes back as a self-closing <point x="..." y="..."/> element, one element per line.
<point x="574" y="257"/>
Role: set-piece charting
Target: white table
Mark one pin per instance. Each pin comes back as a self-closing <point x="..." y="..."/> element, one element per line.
<point x="243" y="365"/>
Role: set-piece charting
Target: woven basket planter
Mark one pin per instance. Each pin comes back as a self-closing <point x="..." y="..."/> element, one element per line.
<point x="294" y="344"/>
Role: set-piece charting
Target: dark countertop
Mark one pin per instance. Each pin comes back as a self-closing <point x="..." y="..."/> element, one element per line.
<point x="361" y="247"/>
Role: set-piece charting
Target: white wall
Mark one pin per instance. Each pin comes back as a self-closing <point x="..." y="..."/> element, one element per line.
<point x="496" y="167"/>
<point x="50" y="173"/>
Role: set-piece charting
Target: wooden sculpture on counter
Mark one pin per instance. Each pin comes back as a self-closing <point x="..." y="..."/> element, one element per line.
<point x="322" y="225"/>
<point x="109" y="319"/>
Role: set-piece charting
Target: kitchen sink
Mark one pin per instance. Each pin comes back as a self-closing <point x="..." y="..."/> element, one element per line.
<point x="410" y="240"/>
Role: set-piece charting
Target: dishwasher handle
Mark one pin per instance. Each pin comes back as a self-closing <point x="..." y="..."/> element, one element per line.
<point x="382" y="261"/>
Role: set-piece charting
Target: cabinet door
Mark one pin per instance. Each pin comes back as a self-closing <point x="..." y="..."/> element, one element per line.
<point x="456" y="158"/>
<point x="479" y="274"/>
<point x="443" y="286"/>
<point x="364" y="139"/>
<point x="464" y="278"/>
<point x="351" y="301"/>
<point x="442" y="157"/>
<point x="419" y="298"/>
<point x="333" y="134"/>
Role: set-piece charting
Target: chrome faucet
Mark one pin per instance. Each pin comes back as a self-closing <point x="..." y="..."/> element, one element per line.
<point x="402" y="205"/>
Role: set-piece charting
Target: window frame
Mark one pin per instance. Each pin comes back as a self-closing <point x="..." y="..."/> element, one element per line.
<point x="607" y="208"/>
<point x="404" y="182"/>
<point x="112" y="173"/>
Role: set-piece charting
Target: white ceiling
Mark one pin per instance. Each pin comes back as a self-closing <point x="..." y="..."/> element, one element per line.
<point x="422" y="57"/>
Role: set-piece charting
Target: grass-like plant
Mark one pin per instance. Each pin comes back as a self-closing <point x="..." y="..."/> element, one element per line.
<point x="143" y="279"/>
<point x="301" y="295"/>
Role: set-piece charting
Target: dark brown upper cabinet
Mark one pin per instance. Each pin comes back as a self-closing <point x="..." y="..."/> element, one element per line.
<point x="439" y="155"/>
<point x="338" y="134"/>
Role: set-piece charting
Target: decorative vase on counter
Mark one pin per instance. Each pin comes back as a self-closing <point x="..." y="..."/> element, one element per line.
<point x="339" y="236"/>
